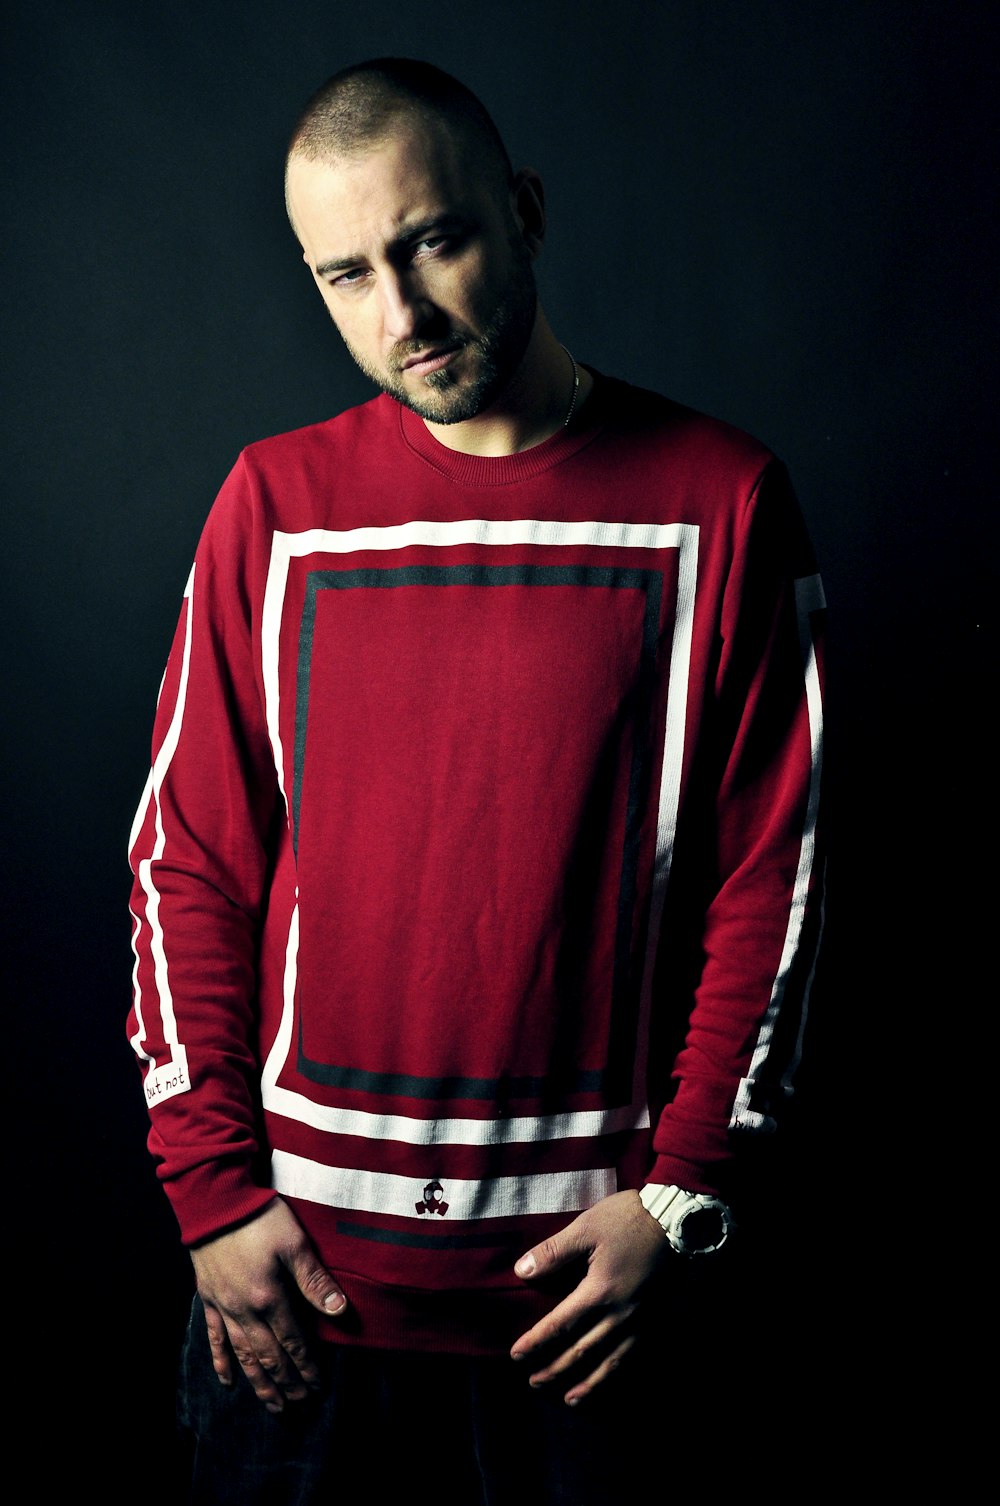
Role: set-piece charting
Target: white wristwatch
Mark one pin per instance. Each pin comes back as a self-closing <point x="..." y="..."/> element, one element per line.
<point x="695" y="1223"/>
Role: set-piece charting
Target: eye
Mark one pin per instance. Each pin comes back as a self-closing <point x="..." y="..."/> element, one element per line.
<point x="430" y="245"/>
<point x="352" y="278"/>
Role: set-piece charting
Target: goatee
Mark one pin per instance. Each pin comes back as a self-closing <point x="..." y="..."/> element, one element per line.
<point x="488" y="360"/>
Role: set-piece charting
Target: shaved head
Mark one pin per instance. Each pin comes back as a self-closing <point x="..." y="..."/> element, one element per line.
<point x="368" y="102"/>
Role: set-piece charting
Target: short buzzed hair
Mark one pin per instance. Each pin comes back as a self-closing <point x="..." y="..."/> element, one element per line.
<point x="358" y="106"/>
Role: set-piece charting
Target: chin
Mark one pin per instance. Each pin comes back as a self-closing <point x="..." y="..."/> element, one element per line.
<point x="457" y="408"/>
<point x="443" y="399"/>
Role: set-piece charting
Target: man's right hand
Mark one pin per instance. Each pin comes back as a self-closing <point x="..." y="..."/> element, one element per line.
<point x="244" y="1279"/>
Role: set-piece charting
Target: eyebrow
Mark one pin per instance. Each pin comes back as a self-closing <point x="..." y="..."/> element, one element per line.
<point x="440" y="223"/>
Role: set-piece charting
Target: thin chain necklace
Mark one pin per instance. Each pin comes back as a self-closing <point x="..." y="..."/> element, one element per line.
<point x="576" y="391"/>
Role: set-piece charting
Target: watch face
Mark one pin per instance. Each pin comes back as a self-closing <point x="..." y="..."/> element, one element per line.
<point x="702" y="1229"/>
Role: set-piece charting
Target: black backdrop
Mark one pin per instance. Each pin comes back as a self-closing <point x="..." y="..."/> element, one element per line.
<point x="778" y="212"/>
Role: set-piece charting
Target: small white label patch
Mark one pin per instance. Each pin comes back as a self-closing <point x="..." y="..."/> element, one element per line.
<point x="169" y="1080"/>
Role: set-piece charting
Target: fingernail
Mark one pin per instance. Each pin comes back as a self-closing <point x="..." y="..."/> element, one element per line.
<point x="526" y="1265"/>
<point x="335" y="1303"/>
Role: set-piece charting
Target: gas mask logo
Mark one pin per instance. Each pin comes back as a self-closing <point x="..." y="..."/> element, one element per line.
<point x="431" y="1202"/>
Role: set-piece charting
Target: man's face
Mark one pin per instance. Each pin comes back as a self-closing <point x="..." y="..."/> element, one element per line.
<point x="422" y="266"/>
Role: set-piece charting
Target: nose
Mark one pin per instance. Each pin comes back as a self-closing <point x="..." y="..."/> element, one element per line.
<point x="405" y="308"/>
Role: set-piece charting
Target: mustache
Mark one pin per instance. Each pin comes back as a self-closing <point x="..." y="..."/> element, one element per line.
<point x="405" y="350"/>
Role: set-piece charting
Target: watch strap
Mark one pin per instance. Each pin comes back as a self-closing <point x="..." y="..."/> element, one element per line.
<point x="672" y="1206"/>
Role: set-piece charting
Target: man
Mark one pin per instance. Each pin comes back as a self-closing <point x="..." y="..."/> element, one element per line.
<point x="476" y="885"/>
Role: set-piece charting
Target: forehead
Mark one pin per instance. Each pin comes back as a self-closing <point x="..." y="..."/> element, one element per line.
<point x="362" y="201"/>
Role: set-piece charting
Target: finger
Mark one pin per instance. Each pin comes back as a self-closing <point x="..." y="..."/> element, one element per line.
<point x="316" y="1284"/>
<point x="266" y="1365"/>
<point x="582" y="1348"/>
<point x="552" y="1253"/>
<point x="597" y="1377"/>
<point x="218" y="1343"/>
<point x="303" y="1366"/>
<point x="265" y="1389"/>
<point x="586" y="1304"/>
<point x="556" y="1325"/>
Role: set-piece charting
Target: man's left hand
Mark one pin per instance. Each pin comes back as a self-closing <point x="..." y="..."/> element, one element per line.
<point x="593" y="1328"/>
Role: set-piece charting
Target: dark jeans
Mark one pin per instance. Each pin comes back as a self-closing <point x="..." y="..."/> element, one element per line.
<point x="387" y="1427"/>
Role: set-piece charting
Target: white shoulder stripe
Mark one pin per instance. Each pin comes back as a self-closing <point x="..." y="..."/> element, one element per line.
<point x="172" y="1077"/>
<point x="809" y="598"/>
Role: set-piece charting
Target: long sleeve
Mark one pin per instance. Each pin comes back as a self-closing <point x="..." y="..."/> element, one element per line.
<point x="199" y="855"/>
<point x="756" y="908"/>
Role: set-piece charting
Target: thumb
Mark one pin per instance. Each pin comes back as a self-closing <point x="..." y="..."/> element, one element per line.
<point x="558" y="1250"/>
<point x="315" y="1282"/>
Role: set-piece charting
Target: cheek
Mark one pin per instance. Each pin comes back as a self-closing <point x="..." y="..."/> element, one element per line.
<point x="489" y="289"/>
<point x="324" y="293"/>
<point x="462" y="289"/>
<point x="348" y="321"/>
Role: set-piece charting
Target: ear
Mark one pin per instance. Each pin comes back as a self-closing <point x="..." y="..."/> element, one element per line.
<point x="527" y="201"/>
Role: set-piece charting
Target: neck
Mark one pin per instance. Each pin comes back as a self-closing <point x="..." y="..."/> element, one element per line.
<point x="532" y="407"/>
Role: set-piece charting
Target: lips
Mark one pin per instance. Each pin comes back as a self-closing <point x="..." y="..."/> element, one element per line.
<point x="431" y="360"/>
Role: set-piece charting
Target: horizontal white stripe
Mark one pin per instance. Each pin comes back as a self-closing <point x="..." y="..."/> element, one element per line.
<point x="588" y="1125"/>
<point x="481" y="531"/>
<point x="377" y="1192"/>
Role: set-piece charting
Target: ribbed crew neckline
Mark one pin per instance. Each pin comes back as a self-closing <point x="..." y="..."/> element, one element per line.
<point x="504" y="470"/>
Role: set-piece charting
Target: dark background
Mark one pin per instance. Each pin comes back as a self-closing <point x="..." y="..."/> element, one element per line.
<point x="782" y="213"/>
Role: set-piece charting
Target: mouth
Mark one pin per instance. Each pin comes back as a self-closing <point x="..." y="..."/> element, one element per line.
<point x="425" y="363"/>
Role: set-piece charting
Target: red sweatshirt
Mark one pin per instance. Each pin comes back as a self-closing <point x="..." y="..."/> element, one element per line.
<point x="476" y="876"/>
